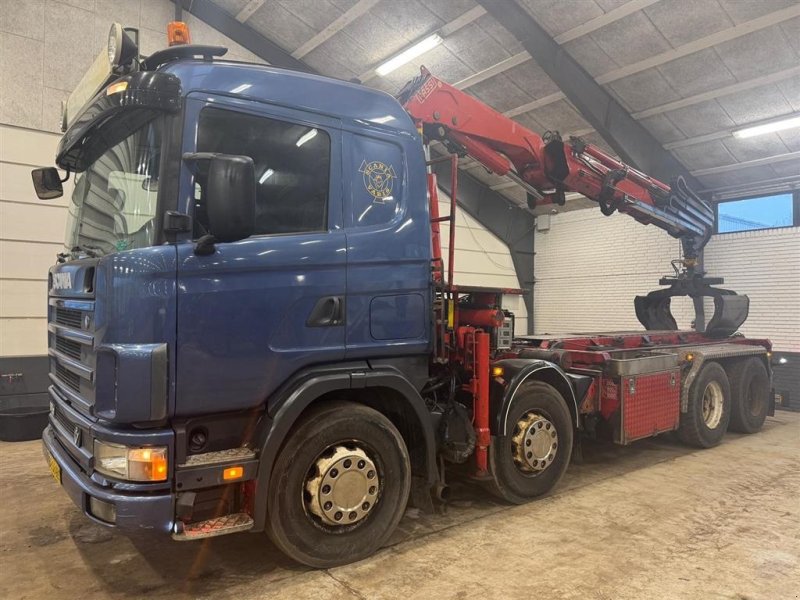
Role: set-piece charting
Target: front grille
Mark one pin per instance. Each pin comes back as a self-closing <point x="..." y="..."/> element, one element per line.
<point x="68" y="377"/>
<point x="68" y="347"/>
<point x="69" y="317"/>
<point x="62" y="419"/>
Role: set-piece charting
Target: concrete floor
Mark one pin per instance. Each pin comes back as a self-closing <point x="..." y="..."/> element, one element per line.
<point x="654" y="520"/>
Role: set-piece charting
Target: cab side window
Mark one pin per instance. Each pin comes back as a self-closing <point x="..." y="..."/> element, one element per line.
<point x="292" y="165"/>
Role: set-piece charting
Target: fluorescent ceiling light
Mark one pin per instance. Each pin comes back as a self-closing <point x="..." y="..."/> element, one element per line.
<point x="429" y="43"/>
<point x="768" y="127"/>
<point x="267" y="174"/>
<point x="309" y="135"/>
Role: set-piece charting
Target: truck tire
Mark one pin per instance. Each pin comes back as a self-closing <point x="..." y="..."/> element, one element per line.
<point x="706" y="418"/>
<point x="339" y="485"/>
<point x="749" y="395"/>
<point x="532" y="458"/>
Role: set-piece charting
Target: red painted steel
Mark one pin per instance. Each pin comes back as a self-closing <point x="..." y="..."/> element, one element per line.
<point x="505" y="147"/>
<point x="436" y="234"/>
<point x="481" y="317"/>
<point x="480" y="378"/>
<point x="651" y="405"/>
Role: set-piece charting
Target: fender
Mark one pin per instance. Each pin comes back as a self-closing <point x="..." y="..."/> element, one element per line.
<point x="519" y="370"/>
<point x="284" y="408"/>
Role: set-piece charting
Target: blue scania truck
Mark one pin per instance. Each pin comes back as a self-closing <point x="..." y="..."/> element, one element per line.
<point x="251" y="328"/>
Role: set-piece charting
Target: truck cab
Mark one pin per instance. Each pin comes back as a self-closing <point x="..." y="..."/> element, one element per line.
<point x="234" y="232"/>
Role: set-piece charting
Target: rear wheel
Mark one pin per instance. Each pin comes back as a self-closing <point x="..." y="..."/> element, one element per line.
<point x="532" y="458"/>
<point x="749" y="395"/>
<point x="709" y="411"/>
<point x="339" y="486"/>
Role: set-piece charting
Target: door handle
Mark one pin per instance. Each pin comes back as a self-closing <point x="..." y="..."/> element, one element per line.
<point x="327" y="312"/>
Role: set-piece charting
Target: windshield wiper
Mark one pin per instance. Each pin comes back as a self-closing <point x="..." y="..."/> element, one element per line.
<point x="90" y="251"/>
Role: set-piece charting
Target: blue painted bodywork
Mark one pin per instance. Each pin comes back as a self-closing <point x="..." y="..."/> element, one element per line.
<point x="234" y="323"/>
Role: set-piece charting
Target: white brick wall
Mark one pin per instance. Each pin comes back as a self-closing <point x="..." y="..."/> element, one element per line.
<point x="589" y="268"/>
<point x="31" y="234"/>
<point x="765" y="265"/>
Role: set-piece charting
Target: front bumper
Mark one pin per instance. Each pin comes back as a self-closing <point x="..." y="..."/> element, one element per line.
<point x="134" y="511"/>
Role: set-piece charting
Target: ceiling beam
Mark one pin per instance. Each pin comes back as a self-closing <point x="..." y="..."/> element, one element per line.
<point x="567" y="36"/>
<point x="496" y="69"/>
<point x="703" y="43"/>
<point x="355" y="11"/>
<point x="248" y="10"/>
<point x="529" y="106"/>
<point x="629" y="139"/>
<point x="735" y="88"/>
<point x="242" y="34"/>
<point x="706" y="42"/>
<point x="473" y="14"/>
<point x="758" y="162"/>
<point x="723" y="91"/>
<point x="698" y="139"/>
<point x="763" y="186"/>
<point x="606" y="19"/>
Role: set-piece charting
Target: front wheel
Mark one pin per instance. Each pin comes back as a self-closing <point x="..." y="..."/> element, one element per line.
<point x="339" y="486"/>
<point x="532" y="458"/>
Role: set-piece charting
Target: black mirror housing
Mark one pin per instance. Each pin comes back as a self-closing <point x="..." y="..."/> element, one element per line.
<point x="231" y="197"/>
<point x="47" y="183"/>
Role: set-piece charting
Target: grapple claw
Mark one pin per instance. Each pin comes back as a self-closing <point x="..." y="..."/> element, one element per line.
<point x="730" y="309"/>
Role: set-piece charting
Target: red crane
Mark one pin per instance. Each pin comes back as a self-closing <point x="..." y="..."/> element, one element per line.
<point x="547" y="167"/>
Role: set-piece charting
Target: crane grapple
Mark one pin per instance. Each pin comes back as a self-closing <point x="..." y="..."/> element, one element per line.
<point x="547" y="167"/>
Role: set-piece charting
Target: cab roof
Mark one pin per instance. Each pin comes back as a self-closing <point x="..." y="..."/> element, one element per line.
<point x="350" y="102"/>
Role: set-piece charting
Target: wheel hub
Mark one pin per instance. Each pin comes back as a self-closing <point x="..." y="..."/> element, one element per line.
<point x="712" y="405"/>
<point x="343" y="486"/>
<point x="535" y="443"/>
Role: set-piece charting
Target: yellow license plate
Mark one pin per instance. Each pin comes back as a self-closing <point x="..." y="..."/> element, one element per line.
<point x="55" y="470"/>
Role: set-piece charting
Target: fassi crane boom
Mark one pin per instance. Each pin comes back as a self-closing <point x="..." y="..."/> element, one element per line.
<point x="548" y="167"/>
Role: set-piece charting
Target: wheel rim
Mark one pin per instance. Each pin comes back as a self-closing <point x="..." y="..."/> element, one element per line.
<point x="755" y="400"/>
<point x="342" y="486"/>
<point x="535" y="443"/>
<point x="713" y="402"/>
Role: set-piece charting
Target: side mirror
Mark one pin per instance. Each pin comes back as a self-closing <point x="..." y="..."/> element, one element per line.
<point x="47" y="183"/>
<point x="230" y="197"/>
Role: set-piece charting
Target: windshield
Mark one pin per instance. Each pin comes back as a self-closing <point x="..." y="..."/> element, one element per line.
<point x="114" y="203"/>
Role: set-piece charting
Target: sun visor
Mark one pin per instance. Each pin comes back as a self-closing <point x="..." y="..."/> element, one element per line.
<point x="119" y="109"/>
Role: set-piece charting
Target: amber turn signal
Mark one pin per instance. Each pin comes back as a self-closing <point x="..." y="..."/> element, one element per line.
<point x="232" y="473"/>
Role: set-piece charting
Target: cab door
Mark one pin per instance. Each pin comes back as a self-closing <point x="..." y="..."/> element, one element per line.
<point x="256" y="311"/>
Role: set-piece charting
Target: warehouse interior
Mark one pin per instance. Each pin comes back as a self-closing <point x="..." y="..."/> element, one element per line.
<point x="705" y="89"/>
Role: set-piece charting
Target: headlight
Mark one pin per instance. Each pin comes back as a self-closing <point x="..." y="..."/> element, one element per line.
<point x="114" y="44"/>
<point x="132" y="464"/>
